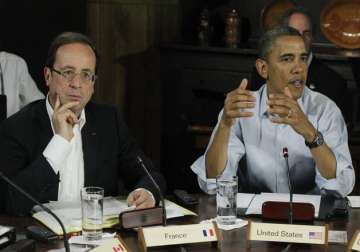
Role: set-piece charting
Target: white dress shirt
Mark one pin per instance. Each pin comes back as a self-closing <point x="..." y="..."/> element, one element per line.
<point x="262" y="142"/>
<point x="19" y="87"/>
<point x="66" y="158"/>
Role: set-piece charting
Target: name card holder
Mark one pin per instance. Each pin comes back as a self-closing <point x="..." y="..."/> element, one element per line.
<point x="290" y="233"/>
<point x="151" y="237"/>
<point x="113" y="245"/>
<point x="355" y="242"/>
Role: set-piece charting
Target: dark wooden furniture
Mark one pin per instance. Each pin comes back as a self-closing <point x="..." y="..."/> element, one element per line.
<point x="234" y="240"/>
<point x="195" y="80"/>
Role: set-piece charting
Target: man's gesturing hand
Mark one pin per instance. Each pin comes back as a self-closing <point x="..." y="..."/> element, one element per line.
<point x="64" y="118"/>
<point x="236" y="103"/>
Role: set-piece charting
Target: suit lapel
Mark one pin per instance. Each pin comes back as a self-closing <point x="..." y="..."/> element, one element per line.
<point x="44" y="127"/>
<point x="89" y="143"/>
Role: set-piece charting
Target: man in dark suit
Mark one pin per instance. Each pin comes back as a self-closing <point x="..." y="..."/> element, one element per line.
<point x="321" y="78"/>
<point x="54" y="147"/>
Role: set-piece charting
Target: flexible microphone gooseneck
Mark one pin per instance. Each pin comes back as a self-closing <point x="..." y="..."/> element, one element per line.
<point x="46" y="209"/>
<point x="286" y="156"/>
<point x="141" y="162"/>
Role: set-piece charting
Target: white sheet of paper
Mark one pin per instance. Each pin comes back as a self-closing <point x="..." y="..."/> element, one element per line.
<point x="80" y="239"/>
<point x="243" y="199"/>
<point x="259" y="199"/>
<point x="4" y="229"/>
<point x="354" y="201"/>
<point x="70" y="213"/>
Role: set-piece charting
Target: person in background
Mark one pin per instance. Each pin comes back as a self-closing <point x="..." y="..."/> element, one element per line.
<point x="55" y="146"/>
<point x="254" y="127"/>
<point x="16" y="83"/>
<point x="321" y="78"/>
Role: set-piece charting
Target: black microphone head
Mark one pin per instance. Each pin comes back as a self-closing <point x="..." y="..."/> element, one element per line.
<point x="285" y="152"/>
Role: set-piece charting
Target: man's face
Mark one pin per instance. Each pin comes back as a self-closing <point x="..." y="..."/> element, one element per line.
<point x="286" y="66"/>
<point x="301" y="23"/>
<point x="76" y="58"/>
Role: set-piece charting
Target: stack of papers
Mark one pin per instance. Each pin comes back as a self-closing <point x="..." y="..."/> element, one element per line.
<point x="70" y="214"/>
<point x="253" y="202"/>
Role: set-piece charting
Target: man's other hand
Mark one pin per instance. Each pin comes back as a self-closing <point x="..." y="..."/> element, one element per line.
<point x="141" y="198"/>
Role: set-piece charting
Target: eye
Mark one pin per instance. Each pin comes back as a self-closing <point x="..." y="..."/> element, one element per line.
<point x="69" y="74"/>
<point x="87" y="76"/>
<point x="286" y="58"/>
<point x="304" y="58"/>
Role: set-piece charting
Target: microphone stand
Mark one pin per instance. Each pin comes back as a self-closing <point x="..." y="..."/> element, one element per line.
<point x="286" y="156"/>
<point x="141" y="162"/>
<point x="46" y="209"/>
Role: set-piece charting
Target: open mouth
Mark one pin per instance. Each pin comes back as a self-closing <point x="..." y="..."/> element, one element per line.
<point x="297" y="83"/>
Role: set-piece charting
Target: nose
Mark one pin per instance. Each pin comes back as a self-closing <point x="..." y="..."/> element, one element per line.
<point x="299" y="66"/>
<point x="76" y="82"/>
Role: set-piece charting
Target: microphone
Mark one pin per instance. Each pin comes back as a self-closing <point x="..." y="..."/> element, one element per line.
<point x="46" y="209"/>
<point x="141" y="162"/>
<point x="286" y="156"/>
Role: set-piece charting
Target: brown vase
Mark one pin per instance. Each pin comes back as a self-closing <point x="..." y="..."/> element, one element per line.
<point x="232" y="35"/>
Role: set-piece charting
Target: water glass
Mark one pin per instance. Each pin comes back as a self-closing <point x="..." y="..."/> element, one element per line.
<point x="226" y="191"/>
<point x="92" y="212"/>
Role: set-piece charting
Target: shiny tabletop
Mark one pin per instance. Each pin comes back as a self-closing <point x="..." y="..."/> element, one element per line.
<point x="233" y="240"/>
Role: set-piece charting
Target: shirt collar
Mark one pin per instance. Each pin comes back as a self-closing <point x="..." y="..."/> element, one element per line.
<point x="311" y="56"/>
<point x="50" y="112"/>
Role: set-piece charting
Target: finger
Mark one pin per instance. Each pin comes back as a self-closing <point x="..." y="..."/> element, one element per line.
<point x="240" y="105"/>
<point x="240" y="97"/>
<point x="287" y="92"/>
<point x="243" y="84"/>
<point x="68" y="105"/>
<point x="130" y="199"/>
<point x="140" y="199"/>
<point x="145" y="204"/>
<point x="281" y="111"/>
<point x="71" y="118"/>
<point x="145" y="201"/>
<point x="57" y="102"/>
<point x="280" y="103"/>
<point x="282" y="120"/>
<point x="239" y="113"/>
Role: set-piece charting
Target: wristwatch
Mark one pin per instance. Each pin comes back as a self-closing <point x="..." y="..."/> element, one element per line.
<point x="319" y="140"/>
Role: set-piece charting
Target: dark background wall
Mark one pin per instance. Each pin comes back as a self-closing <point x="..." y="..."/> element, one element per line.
<point x="27" y="28"/>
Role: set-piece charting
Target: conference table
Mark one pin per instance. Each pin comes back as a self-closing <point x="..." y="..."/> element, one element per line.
<point x="232" y="240"/>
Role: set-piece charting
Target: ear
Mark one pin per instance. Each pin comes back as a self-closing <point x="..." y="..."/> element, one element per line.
<point x="262" y="68"/>
<point x="47" y="75"/>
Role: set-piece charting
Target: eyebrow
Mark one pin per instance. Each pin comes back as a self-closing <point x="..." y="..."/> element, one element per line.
<point x="73" y="68"/>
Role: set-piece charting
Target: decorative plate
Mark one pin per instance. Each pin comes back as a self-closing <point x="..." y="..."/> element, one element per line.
<point x="340" y="23"/>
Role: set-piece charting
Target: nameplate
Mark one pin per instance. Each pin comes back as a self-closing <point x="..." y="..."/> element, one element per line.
<point x="287" y="233"/>
<point x="113" y="245"/>
<point x="355" y="242"/>
<point x="179" y="234"/>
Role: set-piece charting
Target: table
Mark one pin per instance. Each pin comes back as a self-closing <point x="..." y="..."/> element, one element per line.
<point x="234" y="240"/>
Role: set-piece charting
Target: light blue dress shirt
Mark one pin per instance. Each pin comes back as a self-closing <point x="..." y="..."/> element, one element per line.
<point x="260" y="143"/>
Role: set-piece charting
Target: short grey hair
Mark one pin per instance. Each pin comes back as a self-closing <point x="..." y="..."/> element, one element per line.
<point x="268" y="39"/>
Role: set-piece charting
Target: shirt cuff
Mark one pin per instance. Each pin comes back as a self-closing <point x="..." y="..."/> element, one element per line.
<point x="57" y="151"/>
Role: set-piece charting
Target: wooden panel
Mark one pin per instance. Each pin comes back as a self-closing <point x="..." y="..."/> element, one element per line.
<point x="124" y="32"/>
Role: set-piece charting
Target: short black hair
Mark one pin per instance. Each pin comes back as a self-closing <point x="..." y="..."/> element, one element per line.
<point x="69" y="38"/>
<point x="284" y="20"/>
<point x="268" y="39"/>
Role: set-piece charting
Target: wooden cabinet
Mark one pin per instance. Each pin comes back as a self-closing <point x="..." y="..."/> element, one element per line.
<point x="195" y="81"/>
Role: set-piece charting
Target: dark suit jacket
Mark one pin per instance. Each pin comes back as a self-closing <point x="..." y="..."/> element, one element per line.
<point x="321" y="78"/>
<point x="109" y="153"/>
